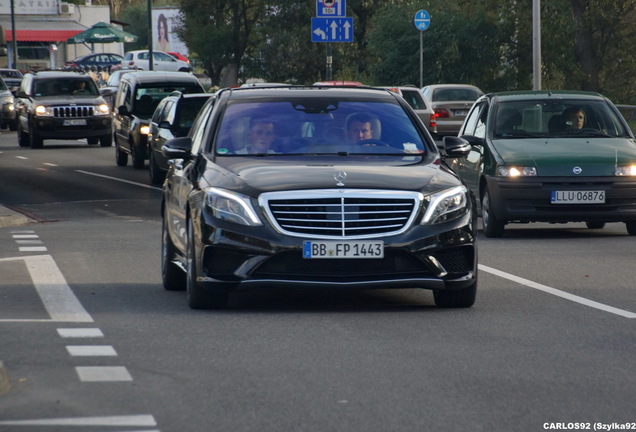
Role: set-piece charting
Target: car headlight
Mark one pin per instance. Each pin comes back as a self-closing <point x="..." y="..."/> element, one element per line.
<point x="626" y="170"/>
<point x="43" y="111"/>
<point x="445" y="205"/>
<point x="144" y="130"/>
<point x="102" y="109"/>
<point x="516" y="171"/>
<point x="231" y="207"/>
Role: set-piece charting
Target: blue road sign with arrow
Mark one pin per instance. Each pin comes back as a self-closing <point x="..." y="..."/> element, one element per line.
<point x="332" y="29"/>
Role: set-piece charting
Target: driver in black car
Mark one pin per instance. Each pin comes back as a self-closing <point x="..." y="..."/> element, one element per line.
<point x="359" y="128"/>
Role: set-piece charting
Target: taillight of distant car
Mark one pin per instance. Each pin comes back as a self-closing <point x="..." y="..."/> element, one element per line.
<point x="441" y="113"/>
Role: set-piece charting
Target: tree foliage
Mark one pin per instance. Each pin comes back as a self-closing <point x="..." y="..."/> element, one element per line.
<point x="585" y="44"/>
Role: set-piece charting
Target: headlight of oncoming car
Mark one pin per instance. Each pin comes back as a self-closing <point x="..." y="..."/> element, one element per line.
<point x="144" y="130"/>
<point x="231" y="207"/>
<point x="626" y="170"/>
<point x="445" y="205"/>
<point x="516" y="171"/>
<point x="102" y="109"/>
<point x="43" y="111"/>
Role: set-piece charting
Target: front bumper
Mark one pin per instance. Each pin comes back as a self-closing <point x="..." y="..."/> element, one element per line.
<point x="438" y="257"/>
<point x="527" y="199"/>
<point x="47" y="127"/>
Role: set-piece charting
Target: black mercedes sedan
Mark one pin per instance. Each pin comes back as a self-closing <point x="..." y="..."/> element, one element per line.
<point x="316" y="187"/>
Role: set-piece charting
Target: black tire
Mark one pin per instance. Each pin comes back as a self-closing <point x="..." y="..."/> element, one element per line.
<point x="595" y="225"/>
<point x="492" y="226"/>
<point x="156" y="175"/>
<point x="106" y="140"/>
<point x="23" y="138"/>
<point x="461" y="298"/>
<point x="631" y="228"/>
<point x="92" y="140"/>
<point x="13" y="125"/>
<point x="137" y="155"/>
<point x="121" y="158"/>
<point x="36" y="142"/>
<point x="172" y="276"/>
<point x="198" y="297"/>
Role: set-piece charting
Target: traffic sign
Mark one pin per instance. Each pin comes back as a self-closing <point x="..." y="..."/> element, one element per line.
<point x="332" y="29"/>
<point x="421" y="20"/>
<point x="331" y="8"/>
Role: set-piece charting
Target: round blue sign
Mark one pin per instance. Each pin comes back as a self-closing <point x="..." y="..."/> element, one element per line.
<point x="421" y="20"/>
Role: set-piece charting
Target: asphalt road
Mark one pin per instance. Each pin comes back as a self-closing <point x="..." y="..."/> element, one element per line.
<point x="90" y="341"/>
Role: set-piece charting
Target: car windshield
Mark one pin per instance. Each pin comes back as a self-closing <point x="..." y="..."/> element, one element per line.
<point x="317" y="126"/>
<point x="10" y="74"/>
<point x="147" y="98"/>
<point x="63" y="86"/>
<point x="562" y="118"/>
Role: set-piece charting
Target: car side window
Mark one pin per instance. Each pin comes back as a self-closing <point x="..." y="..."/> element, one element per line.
<point x="199" y="126"/>
<point x="169" y="112"/>
<point x="473" y="121"/>
<point x="157" y="116"/>
<point x="480" y="127"/>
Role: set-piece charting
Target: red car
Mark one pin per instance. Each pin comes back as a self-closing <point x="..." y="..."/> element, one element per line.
<point x="179" y="56"/>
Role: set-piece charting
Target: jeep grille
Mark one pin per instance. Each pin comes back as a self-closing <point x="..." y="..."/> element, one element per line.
<point x="334" y="213"/>
<point x="73" y="111"/>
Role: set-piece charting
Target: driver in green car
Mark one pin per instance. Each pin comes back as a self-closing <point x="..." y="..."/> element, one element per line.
<point x="574" y="117"/>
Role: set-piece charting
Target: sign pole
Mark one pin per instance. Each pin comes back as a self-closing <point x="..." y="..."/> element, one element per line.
<point x="329" y="73"/>
<point x="421" y="59"/>
<point x="421" y="21"/>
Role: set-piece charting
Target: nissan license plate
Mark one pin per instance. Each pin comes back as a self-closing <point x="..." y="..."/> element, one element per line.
<point x="343" y="249"/>
<point x="75" y="122"/>
<point x="578" y="197"/>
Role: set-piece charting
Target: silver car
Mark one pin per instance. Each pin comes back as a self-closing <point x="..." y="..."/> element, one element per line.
<point x="451" y="103"/>
<point x="424" y="111"/>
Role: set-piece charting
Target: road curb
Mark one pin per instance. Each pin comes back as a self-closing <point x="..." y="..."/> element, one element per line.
<point x="5" y="385"/>
<point x="10" y="218"/>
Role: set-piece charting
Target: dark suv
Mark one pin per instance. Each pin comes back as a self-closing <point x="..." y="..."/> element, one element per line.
<point x="138" y="95"/>
<point x="173" y="118"/>
<point x="61" y="105"/>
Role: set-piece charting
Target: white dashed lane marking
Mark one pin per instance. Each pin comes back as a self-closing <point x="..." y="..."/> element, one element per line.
<point x="91" y="350"/>
<point x="80" y="333"/>
<point x="103" y="373"/>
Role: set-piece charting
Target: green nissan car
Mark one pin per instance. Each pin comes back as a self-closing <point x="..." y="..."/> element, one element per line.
<point x="549" y="156"/>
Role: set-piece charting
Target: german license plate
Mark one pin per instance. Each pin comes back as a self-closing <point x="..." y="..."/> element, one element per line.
<point x="75" y="122"/>
<point x="459" y="113"/>
<point x="343" y="249"/>
<point x="578" y="197"/>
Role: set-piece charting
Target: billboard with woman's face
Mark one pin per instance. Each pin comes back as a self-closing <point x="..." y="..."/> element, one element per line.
<point x="164" y="39"/>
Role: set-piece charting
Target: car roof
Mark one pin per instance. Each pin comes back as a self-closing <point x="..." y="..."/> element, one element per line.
<point x="159" y="76"/>
<point x="544" y="94"/>
<point x="452" y="86"/>
<point x="286" y="93"/>
<point x="58" y="74"/>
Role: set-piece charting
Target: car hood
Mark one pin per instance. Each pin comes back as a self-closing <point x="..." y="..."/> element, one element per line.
<point x="559" y="156"/>
<point x="69" y="100"/>
<point x="254" y="175"/>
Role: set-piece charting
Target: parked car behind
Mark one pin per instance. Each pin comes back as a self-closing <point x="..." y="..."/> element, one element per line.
<point x="99" y="61"/>
<point x="314" y="210"/>
<point x="531" y="162"/>
<point x="413" y="96"/>
<point x="7" y="108"/>
<point x="12" y="78"/>
<point x="451" y="103"/>
<point x="172" y="118"/>
<point x="161" y="61"/>
<point x="137" y="97"/>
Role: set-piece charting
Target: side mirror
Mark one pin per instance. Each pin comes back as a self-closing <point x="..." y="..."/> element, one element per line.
<point x="177" y="148"/>
<point x="21" y="94"/>
<point x="456" y="147"/>
<point x="122" y="110"/>
<point x="164" y="124"/>
<point x="106" y="91"/>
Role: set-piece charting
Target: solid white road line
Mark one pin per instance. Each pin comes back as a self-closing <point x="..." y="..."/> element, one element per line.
<point x="91" y="350"/>
<point x="119" y="180"/>
<point x="57" y="297"/>
<point x="558" y="293"/>
<point x="103" y="373"/>
<point x="130" y="420"/>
